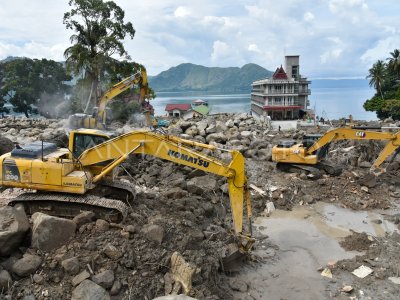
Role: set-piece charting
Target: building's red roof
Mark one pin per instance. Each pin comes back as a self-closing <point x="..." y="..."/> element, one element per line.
<point x="181" y="107"/>
<point x="280" y="74"/>
<point x="281" y="107"/>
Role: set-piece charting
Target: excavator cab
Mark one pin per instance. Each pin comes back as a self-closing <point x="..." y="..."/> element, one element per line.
<point x="81" y="140"/>
<point x="310" y="139"/>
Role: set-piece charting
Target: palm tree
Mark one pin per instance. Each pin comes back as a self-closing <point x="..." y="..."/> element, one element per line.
<point x="394" y="61"/>
<point x="100" y="30"/>
<point x="377" y="76"/>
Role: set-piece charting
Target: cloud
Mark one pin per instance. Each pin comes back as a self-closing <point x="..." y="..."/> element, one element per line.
<point x="333" y="37"/>
<point x="308" y="16"/>
<point x="221" y="50"/>
<point x="381" y="50"/>
<point x="254" y="48"/>
<point x="182" y="12"/>
<point x="33" y="49"/>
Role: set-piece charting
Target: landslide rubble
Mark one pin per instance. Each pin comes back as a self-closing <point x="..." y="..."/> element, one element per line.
<point x="180" y="219"/>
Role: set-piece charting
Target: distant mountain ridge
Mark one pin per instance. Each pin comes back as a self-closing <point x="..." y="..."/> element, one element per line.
<point x="191" y="77"/>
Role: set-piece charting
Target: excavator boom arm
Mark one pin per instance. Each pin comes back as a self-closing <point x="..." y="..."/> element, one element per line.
<point x="170" y="148"/>
<point x="359" y="134"/>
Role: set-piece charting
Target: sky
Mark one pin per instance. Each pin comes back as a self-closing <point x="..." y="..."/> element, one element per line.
<point x="334" y="38"/>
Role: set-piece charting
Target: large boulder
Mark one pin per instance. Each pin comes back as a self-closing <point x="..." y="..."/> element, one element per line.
<point x="50" y="232"/>
<point x="13" y="226"/>
<point x="201" y="184"/>
<point x="27" y="265"/>
<point x="6" y="145"/>
<point x="88" y="290"/>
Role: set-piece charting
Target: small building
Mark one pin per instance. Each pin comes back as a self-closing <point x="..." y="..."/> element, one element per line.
<point x="284" y="96"/>
<point x="179" y="110"/>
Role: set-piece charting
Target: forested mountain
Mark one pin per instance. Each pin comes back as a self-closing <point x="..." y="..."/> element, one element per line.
<point x="190" y="77"/>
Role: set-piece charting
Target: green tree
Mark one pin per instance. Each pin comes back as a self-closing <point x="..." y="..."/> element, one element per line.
<point x="27" y="82"/>
<point x="99" y="31"/>
<point x="394" y="62"/>
<point x="391" y="108"/>
<point x="376" y="76"/>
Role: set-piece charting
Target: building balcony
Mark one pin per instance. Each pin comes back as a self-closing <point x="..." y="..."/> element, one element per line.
<point x="274" y="93"/>
<point x="304" y="92"/>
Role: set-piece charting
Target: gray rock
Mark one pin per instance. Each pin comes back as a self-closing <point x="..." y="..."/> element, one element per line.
<point x="102" y="225"/>
<point x="202" y="184"/>
<point x="202" y="125"/>
<point x="192" y="131"/>
<point x="13" y="226"/>
<point x="104" y="279"/>
<point x="112" y="252"/>
<point x="80" y="277"/>
<point x="83" y="218"/>
<point x="6" y="145"/>
<point x="88" y="290"/>
<point x="230" y="123"/>
<point x="211" y="129"/>
<point x="365" y="164"/>
<point x="368" y="180"/>
<point x="29" y="297"/>
<point x="184" y="125"/>
<point x="221" y="127"/>
<point x="308" y="199"/>
<point x="71" y="265"/>
<point x="219" y="137"/>
<point x="175" y="193"/>
<point x="27" y="265"/>
<point x="116" y="288"/>
<point x="50" y="232"/>
<point x="5" y="280"/>
<point x="153" y="232"/>
<point x="246" y="133"/>
<point x="38" y="279"/>
<point x="131" y="229"/>
<point x="238" y="285"/>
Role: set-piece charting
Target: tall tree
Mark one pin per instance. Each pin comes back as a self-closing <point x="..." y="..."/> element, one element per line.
<point x="99" y="31"/>
<point x="376" y="76"/>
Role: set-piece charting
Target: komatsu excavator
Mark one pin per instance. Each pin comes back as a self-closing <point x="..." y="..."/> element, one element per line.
<point x="68" y="181"/>
<point x="310" y="153"/>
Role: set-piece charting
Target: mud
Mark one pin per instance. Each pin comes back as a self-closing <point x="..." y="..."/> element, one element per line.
<point x="337" y="223"/>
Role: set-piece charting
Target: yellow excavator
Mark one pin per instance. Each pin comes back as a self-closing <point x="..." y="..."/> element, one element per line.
<point x="310" y="153"/>
<point x="81" y="177"/>
<point x="99" y="118"/>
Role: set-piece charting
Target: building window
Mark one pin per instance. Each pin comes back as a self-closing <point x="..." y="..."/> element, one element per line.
<point x="295" y="71"/>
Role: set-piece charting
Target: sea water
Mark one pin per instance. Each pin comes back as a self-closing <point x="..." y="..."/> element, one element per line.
<point x="331" y="99"/>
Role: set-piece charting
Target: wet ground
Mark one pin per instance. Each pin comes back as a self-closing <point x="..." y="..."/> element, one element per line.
<point x="300" y="243"/>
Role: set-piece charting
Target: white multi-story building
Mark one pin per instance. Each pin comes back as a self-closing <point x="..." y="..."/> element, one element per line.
<point x="284" y="96"/>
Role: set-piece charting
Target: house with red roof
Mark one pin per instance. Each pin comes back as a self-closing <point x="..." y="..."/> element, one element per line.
<point x="183" y="110"/>
<point x="284" y="96"/>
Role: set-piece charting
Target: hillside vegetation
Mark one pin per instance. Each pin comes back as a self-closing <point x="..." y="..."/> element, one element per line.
<point x="190" y="77"/>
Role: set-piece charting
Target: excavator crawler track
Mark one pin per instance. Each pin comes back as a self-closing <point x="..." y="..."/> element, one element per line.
<point x="297" y="168"/>
<point x="69" y="206"/>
